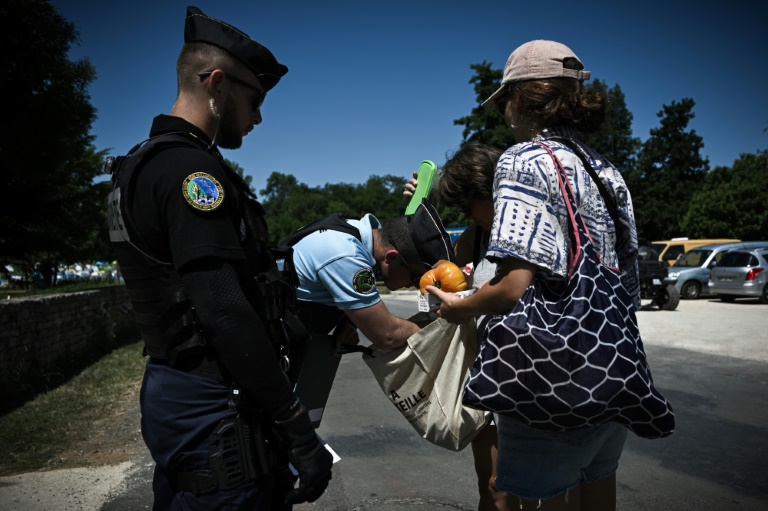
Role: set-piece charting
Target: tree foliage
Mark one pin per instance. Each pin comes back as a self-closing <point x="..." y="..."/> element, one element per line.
<point x="54" y="210"/>
<point x="669" y="171"/>
<point x="664" y="174"/>
<point x="614" y="140"/>
<point x="247" y="178"/>
<point x="484" y="124"/>
<point x="290" y="204"/>
<point x="731" y="203"/>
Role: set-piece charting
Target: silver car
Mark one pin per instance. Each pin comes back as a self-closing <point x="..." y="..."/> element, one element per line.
<point x="692" y="269"/>
<point x="741" y="273"/>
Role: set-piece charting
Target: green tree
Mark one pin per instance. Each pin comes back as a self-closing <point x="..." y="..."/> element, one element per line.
<point x="484" y="124"/>
<point x="380" y="195"/>
<point x="241" y="172"/>
<point x="290" y="204"/>
<point x="669" y="171"/>
<point x="282" y="198"/>
<point x="731" y="203"/>
<point x="614" y="140"/>
<point x="51" y="209"/>
<point x="452" y="217"/>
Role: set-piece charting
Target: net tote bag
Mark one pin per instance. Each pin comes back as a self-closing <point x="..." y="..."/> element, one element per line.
<point x="571" y="358"/>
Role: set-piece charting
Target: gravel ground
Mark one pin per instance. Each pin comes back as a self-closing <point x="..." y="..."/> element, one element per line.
<point x="75" y="489"/>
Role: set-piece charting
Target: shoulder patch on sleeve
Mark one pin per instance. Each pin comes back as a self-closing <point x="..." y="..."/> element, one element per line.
<point x="202" y="191"/>
<point x="364" y="281"/>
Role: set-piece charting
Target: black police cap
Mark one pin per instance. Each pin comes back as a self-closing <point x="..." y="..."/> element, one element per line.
<point x="430" y="242"/>
<point x="202" y="28"/>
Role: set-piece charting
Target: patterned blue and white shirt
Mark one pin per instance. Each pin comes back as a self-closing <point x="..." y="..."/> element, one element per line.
<point x="530" y="217"/>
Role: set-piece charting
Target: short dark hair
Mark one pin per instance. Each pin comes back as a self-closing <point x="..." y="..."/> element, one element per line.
<point x="395" y="234"/>
<point x="468" y="174"/>
<point x="196" y="57"/>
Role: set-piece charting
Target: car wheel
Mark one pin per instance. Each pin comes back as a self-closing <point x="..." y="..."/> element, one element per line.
<point x="668" y="298"/>
<point x="690" y="290"/>
<point x="727" y="298"/>
<point x="764" y="296"/>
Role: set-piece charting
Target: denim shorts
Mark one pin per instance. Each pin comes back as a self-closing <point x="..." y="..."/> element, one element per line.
<point x="536" y="464"/>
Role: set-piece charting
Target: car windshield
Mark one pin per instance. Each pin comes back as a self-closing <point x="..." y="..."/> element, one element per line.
<point x="693" y="258"/>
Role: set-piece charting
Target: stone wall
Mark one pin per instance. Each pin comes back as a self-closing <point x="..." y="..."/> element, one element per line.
<point x="48" y="335"/>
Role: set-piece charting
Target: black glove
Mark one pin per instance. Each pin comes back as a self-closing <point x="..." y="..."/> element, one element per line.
<point x="307" y="455"/>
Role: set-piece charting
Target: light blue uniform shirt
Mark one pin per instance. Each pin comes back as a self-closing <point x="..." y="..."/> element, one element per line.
<point x="326" y="263"/>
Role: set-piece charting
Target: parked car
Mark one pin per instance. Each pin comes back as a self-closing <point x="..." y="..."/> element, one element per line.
<point x="672" y="250"/>
<point x="692" y="270"/>
<point x="741" y="273"/>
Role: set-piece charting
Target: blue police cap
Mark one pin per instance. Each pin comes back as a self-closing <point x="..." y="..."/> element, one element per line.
<point x="201" y="28"/>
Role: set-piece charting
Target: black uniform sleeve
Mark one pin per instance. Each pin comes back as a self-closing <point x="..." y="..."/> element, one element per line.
<point x="167" y="219"/>
<point x="238" y="335"/>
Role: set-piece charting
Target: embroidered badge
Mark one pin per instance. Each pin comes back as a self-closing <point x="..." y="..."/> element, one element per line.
<point x="364" y="281"/>
<point x="202" y="191"/>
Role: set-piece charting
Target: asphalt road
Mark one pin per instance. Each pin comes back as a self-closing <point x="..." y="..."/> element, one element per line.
<point x="708" y="358"/>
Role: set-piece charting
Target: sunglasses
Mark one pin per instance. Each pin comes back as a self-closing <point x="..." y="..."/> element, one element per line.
<point x="501" y="102"/>
<point x="256" y="102"/>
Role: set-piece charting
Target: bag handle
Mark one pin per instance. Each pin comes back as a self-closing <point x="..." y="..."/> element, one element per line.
<point x="610" y="204"/>
<point x="574" y="217"/>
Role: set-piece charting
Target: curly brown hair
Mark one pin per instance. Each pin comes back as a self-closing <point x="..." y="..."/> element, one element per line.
<point x="468" y="174"/>
<point x="560" y="102"/>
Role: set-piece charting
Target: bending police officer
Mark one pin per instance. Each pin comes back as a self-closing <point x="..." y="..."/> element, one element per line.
<point x="336" y="272"/>
<point x="336" y="261"/>
<point x="219" y="415"/>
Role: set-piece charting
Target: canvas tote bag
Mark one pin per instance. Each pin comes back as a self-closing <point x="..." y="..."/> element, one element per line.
<point x="425" y="380"/>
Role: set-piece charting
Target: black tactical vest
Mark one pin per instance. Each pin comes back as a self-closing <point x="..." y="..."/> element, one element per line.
<point x="160" y="302"/>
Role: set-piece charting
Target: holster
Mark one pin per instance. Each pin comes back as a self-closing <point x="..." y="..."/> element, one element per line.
<point x="237" y="454"/>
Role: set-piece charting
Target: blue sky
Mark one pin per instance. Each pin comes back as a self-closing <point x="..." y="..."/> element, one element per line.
<point x="374" y="86"/>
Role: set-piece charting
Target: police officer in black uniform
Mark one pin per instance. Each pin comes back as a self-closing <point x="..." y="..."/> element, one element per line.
<point x="219" y="416"/>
